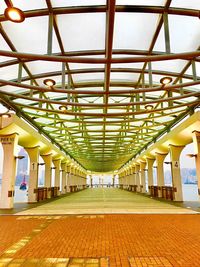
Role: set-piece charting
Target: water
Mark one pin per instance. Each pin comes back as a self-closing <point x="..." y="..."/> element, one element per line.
<point x="190" y="193"/>
<point x="20" y="195"/>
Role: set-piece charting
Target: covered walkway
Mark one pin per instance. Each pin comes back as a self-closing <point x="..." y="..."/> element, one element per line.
<point x="105" y="201"/>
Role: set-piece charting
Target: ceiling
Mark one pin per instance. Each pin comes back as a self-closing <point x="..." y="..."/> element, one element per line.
<point x="107" y="59"/>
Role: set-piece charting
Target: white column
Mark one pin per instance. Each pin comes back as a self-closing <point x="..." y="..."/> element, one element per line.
<point x="150" y="162"/>
<point x="64" y="174"/>
<point x="57" y="163"/>
<point x="48" y="173"/>
<point x="9" y="144"/>
<point x="196" y="142"/>
<point x="160" y="172"/>
<point x="175" y="152"/>
<point x="142" y="173"/>
<point x="33" y="153"/>
<point x="137" y="176"/>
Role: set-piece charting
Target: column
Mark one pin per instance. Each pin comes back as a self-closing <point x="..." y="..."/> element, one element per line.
<point x="142" y="173"/>
<point x="47" y="175"/>
<point x="150" y="162"/>
<point x="113" y="180"/>
<point x="137" y="176"/>
<point x="57" y="163"/>
<point x="91" y="181"/>
<point x="196" y="142"/>
<point x="64" y="174"/>
<point x="160" y="172"/>
<point x="33" y="153"/>
<point x="71" y="178"/>
<point x="9" y="144"/>
<point x="175" y="152"/>
<point x="68" y="179"/>
<point x="134" y="178"/>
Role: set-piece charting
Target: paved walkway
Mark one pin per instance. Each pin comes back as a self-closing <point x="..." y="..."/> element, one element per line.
<point x="105" y="201"/>
<point x="126" y="240"/>
<point x="88" y="234"/>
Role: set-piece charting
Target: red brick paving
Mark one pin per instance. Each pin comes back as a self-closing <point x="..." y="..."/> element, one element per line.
<point x="12" y="230"/>
<point x="169" y="240"/>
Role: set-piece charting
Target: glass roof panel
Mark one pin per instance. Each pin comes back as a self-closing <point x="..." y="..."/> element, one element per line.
<point x="29" y="36"/>
<point x="141" y="2"/>
<point x="39" y="66"/>
<point x="4" y="46"/>
<point x="169" y="65"/>
<point x="187" y="39"/>
<point x="29" y="5"/>
<point x="73" y="66"/>
<point x="9" y="72"/>
<point x="82" y="35"/>
<point x="193" y="4"/>
<point x="124" y="76"/>
<point x="138" y="35"/>
<point x="87" y="77"/>
<point x="64" y="3"/>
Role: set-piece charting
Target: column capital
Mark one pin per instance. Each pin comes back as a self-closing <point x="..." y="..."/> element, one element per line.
<point x="31" y="147"/>
<point x="172" y="145"/>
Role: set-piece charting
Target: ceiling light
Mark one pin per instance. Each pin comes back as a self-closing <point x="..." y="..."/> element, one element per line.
<point x="6" y="115"/>
<point x="174" y="116"/>
<point x="168" y="162"/>
<point x="49" y="82"/>
<point x="63" y="108"/>
<point x="191" y="155"/>
<point x="148" y="107"/>
<point x="14" y="14"/>
<point x="165" y="80"/>
<point x="20" y="157"/>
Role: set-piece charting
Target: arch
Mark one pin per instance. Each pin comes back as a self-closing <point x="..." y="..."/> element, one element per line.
<point x="41" y="172"/>
<point x="22" y="174"/>
<point x="188" y="173"/>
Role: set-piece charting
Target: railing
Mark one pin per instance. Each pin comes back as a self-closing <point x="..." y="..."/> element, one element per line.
<point x="41" y="193"/>
<point x="168" y="192"/>
<point x="104" y="185"/>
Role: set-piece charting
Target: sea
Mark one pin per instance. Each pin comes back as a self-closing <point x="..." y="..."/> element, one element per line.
<point x="190" y="193"/>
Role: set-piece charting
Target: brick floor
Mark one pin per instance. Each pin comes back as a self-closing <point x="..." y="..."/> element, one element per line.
<point x="12" y="229"/>
<point x="127" y="240"/>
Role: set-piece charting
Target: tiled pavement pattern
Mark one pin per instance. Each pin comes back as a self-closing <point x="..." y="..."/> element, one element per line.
<point x="149" y="261"/>
<point x="105" y="200"/>
<point x="55" y="262"/>
<point x="126" y="240"/>
<point x="12" y="230"/>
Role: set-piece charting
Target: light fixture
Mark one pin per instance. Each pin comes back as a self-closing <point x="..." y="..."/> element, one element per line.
<point x="20" y="157"/>
<point x="148" y="107"/>
<point x="14" y="14"/>
<point x="165" y="80"/>
<point x="174" y="116"/>
<point x="63" y="108"/>
<point x="168" y="162"/>
<point x="49" y="82"/>
<point x="5" y="115"/>
<point x="191" y="155"/>
<point x="41" y="164"/>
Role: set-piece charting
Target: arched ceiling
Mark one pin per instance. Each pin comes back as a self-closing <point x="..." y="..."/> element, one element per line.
<point x="107" y="59"/>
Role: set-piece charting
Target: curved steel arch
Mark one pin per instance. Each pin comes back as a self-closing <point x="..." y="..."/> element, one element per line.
<point x="106" y="122"/>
